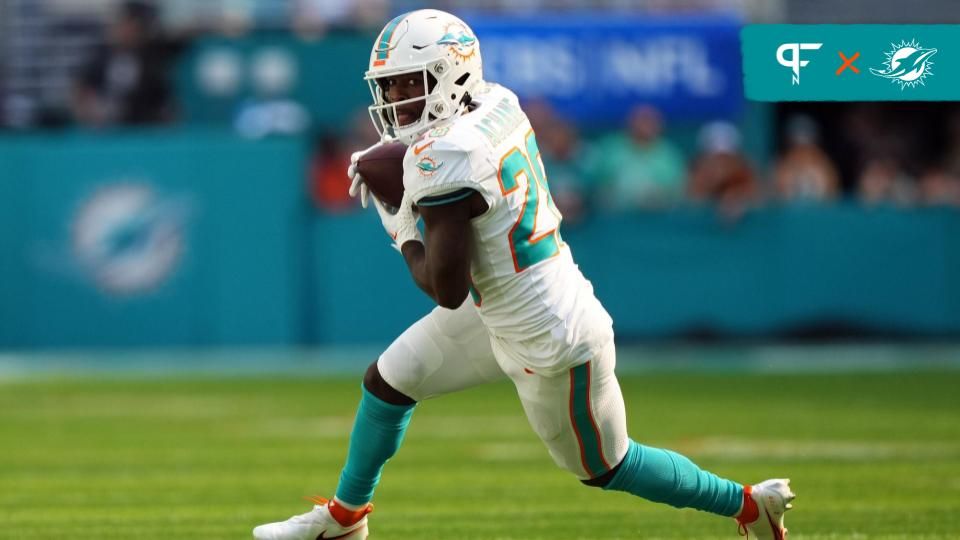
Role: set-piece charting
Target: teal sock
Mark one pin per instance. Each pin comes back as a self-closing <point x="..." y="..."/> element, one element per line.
<point x="667" y="477"/>
<point x="377" y="433"/>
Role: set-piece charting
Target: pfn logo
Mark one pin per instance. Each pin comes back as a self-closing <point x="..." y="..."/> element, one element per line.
<point x="794" y="62"/>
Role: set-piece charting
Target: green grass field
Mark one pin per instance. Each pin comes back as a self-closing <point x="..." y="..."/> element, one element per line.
<point x="871" y="456"/>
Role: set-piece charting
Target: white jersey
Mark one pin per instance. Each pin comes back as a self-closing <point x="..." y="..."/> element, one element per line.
<point x="524" y="281"/>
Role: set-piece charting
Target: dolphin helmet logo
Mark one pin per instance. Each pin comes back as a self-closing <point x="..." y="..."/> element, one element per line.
<point x="907" y="64"/>
<point x="461" y="43"/>
<point x="462" y="40"/>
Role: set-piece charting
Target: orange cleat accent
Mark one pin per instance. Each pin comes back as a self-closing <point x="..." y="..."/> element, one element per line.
<point x="318" y="523"/>
<point x="345" y="516"/>
<point x="749" y="513"/>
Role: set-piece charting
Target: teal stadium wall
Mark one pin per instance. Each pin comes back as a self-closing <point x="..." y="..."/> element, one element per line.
<point x="150" y="239"/>
<point x="779" y="270"/>
<point x="200" y="238"/>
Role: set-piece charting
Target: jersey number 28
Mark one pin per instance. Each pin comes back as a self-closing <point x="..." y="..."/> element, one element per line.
<point x="528" y="244"/>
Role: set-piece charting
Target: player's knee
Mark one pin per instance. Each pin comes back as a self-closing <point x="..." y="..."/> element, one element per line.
<point x="602" y="480"/>
<point x="549" y="427"/>
<point x="374" y="382"/>
<point x="406" y="365"/>
<point x="565" y="460"/>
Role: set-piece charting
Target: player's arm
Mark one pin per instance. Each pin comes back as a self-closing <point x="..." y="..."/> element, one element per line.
<point x="441" y="265"/>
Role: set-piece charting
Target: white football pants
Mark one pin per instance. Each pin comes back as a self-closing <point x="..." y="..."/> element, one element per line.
<point x="578" y="412"/>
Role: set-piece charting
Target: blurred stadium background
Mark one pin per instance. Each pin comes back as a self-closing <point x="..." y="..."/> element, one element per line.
<point x="173" y="175"/>
<point x="173" y="203"/>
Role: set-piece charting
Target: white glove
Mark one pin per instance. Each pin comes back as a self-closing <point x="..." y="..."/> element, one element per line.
<point x="357" y="185"/>
<point x="400" y="224"/>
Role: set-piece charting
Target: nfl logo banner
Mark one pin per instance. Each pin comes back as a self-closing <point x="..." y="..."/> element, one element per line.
<point x="594" y="67"/>
<point x="857" y="62"/>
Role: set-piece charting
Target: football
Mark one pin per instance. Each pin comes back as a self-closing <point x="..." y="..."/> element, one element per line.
<point x="382" y="170"/>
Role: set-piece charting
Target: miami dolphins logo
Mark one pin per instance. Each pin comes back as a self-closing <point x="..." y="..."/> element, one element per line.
<point x="427" y="166"/>
<point x="439" y="132"/>
<point x="907" y="64"/>
<point x="461" y="43"/>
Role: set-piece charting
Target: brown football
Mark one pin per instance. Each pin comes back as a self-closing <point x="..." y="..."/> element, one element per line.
<point x="382" y="170"/>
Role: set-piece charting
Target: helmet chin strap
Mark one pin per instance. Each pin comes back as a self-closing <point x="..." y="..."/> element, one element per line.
<point x="432" y="121"/>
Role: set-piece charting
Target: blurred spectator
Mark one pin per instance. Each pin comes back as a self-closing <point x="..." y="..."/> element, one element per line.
<point x="127" y="80"/>
<point x="860" y="132"/>
<point x="938" y="187"/>
<point x="541" y="115"/>
<point x="329" y="183"/>
<point x="561" y="151"/>
<point x="316" y="17"/>
<point x="952" y="158"/>
<point x="721" y="173"/>
<point x="804" y="172"/>
<point x="941" y="185"/>
<point x="639" y="168"/>
<point x="328" y="173"/>
<point x="883" y="180"/>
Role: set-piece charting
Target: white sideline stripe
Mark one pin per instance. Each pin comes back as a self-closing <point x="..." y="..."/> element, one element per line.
<point x="790" y="359"/>
<point x="193" y="362"/>
<point x="333" y="361"/>
<point x="751" y="449"/>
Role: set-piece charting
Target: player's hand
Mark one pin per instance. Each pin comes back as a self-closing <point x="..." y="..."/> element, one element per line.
<point x="400" y="223"/>
<point x="357" y="186"/>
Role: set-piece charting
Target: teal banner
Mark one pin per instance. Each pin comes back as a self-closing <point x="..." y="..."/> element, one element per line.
<point x="856" y="62"/>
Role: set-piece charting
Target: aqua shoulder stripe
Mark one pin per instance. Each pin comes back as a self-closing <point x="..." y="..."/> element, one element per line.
<point x="446" y="198"/>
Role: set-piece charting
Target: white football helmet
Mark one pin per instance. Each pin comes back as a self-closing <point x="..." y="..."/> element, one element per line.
<point x="439" y="46"/>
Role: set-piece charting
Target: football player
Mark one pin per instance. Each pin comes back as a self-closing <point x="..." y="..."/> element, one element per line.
<point x="511" y="301"/>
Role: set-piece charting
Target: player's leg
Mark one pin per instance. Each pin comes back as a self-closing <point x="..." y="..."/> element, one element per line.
<point x="579" y="414"/>
<point x="655" y="474"/>
<point x="446" y="351"/>
<point x="666" y="476"/>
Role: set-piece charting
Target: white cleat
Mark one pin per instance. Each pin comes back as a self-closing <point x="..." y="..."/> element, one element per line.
<point x="773" y="500"/>
<point x="317" y="524"/>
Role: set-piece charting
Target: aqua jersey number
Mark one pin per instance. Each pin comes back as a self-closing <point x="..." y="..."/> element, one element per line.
<point x="528" y="244"/>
